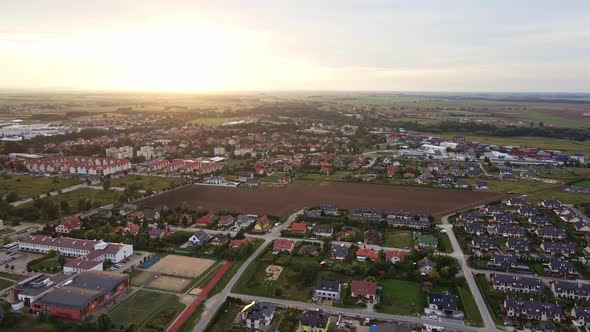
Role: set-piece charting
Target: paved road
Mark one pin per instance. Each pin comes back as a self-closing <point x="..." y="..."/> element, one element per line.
<point x="213" y="303"/>
<point x="458" y="254"/>
<point x="459" y="326"/>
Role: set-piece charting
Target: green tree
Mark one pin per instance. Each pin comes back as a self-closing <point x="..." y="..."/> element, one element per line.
<point x="103" y="322"/>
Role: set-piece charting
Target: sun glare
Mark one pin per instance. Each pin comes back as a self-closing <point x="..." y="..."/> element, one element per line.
<point x="176" y="59"/>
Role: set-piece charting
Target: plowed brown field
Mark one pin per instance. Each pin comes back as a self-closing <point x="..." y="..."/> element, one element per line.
<point x="282" y="201"/>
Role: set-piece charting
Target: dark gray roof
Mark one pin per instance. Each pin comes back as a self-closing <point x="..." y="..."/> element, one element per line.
<point x="314" y="318"/>
<point x="444" y="301"/>
<point x="257" y="310"/>
<point x="328" y="286"/>
<point x="339" y="250"/>
<point x="534" y="284"/>
<point x="85" y="287"/>
<point x="533" y="308"/>
<point x="572" y="288"/>
<point x="517" y="244"/>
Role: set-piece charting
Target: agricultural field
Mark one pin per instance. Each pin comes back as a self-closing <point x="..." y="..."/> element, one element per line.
<point x="566" y="146"/>
<point x="28" y="186"/>
<point x="154" y="183"/>
<point x="149" y="310"/>
<point x="282" y="201"/>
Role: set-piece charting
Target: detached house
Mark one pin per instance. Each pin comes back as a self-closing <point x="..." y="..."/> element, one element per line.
<point x="364" y="290"/>
<point x="199" y="238"/>
<point x="339" y="252"/>
<point x="364" y="254"/>
<point x="298" y="228"/>
<point x="67" y="225"/>
<point x="314" y="321"/>
<point x="257" y="315"/>
<point x="443" y="304"/>
<point x="262" y="224"/>
<point x="283" y="246"/>
<point x="327" y="290"/>
<point x="323" y="231"/>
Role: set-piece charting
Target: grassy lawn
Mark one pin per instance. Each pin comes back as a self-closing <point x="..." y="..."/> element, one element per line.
<point x="28" y="186"/>
<point x="516" y="187"/>
<point x="5" y="284"/>
<point x="567" y="146"/>
<point x="398" y="239"/>
<point x="154" y="183"/>
<point x="585" y="183"/>
<point x="165" y="315"/>
<point x="225" y="320"/>
<point x="47" y="264"/>
<point x="12" y="276"/>
<point x="472" y="315"/>
<point x="563" y="196"/>
<point x="253" y="282"/>
<point x="444" y="243"/>
<point x="216" y="122"/>
<point x="401" y="297"/>
<point x="144" y="307"/>
<point x="97" y="197"/>
<point x="312" y="179"/>
<point x="492" y="300"/>
<point x="271" y="178"/>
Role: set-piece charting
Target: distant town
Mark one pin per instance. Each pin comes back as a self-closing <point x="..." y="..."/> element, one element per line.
<point x="313" y="214"/>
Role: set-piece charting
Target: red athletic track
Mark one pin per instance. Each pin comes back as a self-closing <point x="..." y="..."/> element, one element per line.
<point x="200" y="298"/>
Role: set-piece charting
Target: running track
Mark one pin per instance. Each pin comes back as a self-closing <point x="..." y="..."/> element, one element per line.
<point x="200" y="298"/>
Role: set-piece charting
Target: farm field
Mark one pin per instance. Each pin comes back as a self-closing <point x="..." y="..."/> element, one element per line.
<point x="282" y="201"/>
<point x="146" y="308"/>
<point x="567" y="146"/>
<point x="28" y="186"/>
<point x="401" y="297"/>
<point x="145" y="182"/>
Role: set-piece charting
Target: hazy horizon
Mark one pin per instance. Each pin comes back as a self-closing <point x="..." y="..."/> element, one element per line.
<point x="262" y="46"/>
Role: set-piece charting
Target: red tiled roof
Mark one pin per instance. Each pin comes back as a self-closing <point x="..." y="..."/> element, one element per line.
<point x="363" y="288"/>
<point x="395" y="253"/>
<point x="283" y="244"/>
<point x="298" y="227"/>
<point x="369" y="253"/>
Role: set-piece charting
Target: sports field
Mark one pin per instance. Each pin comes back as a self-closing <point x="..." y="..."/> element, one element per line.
<point x="182" y="266"/>
<point x="169" y="283"/>
<point x="139" y="307"/>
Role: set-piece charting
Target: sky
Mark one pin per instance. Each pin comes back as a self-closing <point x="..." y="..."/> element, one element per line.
<point x="254" y="45"/>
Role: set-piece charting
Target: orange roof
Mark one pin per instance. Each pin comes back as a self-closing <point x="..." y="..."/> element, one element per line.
<point x="298" y="227"/>
<point x="369" y="253"/>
